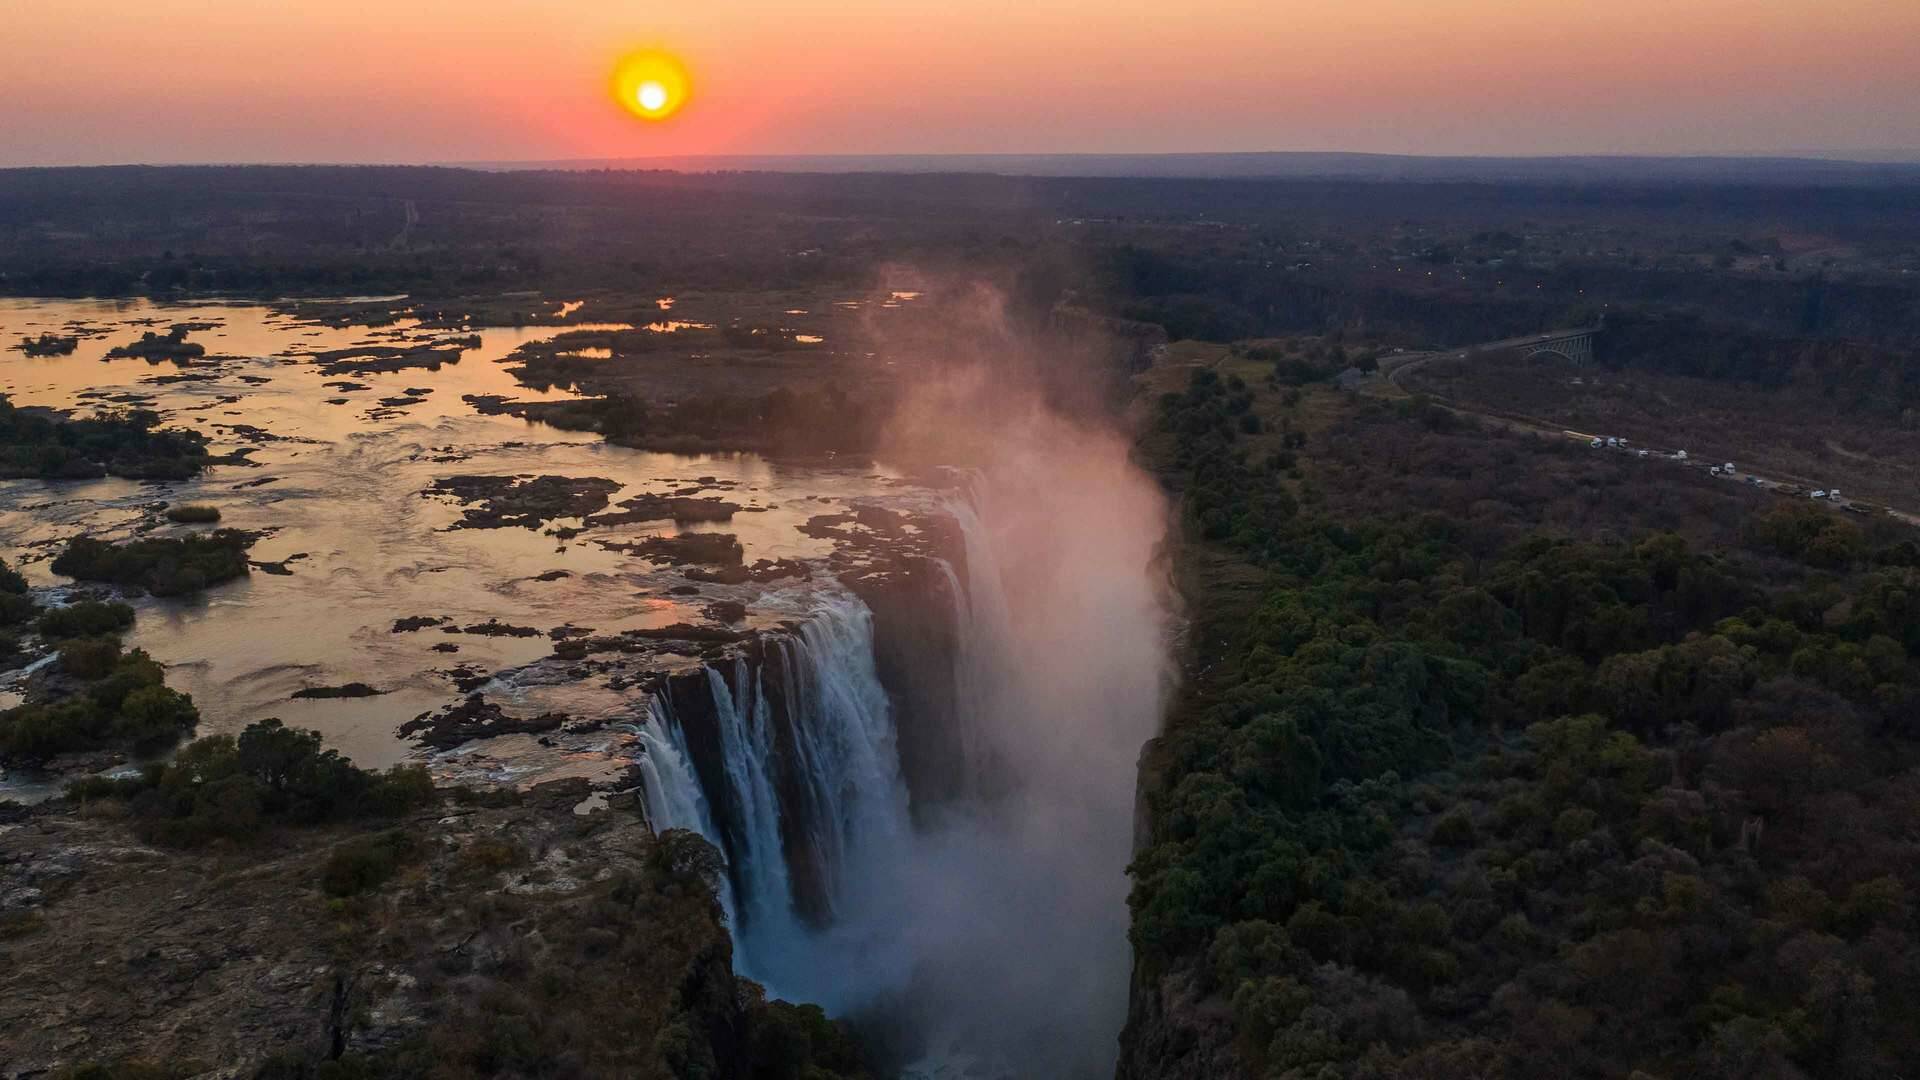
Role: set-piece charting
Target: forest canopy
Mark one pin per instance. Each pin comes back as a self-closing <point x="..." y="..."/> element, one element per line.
<point x="1468" y="796"/>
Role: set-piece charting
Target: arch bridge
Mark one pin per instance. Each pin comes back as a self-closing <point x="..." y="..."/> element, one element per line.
<point x="1574" y="346"/>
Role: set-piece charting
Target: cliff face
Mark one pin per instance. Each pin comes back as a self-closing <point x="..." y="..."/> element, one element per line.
<point x="1173" y="1031"/>
<point x="1174" y="1034"/>
<point x="914" y="645"/>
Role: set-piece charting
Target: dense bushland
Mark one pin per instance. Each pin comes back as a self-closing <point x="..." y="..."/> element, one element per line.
<point x="1489" y="784"/>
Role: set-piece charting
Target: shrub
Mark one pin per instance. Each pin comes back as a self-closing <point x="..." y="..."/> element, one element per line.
<point x="125" y="442"/>
<point x="485" y="856"/>
<point x="1455" y="830"/>
<point x="16" y="607"/>
<point x="365" y="863"/>
<point x="164" y="566"/>
<point x="153" y="716"/>
<point x="39" y="731"/>
<point x="193" y="514"/>
<point x="10" y="579"/>
<point x="223" y="788"/>
<point x="789" y="1040"/>
<point x="87" y="618"/>
<point x="90" y="658"/>
<point x="126" y="705"/>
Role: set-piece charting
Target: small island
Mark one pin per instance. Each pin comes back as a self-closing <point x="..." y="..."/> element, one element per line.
<point x="49" y="344"/>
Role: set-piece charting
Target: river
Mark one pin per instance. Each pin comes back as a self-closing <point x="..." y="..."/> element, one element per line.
<point x="338" y="483"/>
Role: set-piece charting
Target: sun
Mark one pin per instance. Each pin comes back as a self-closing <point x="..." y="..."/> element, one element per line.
<point x="651" y="84"/>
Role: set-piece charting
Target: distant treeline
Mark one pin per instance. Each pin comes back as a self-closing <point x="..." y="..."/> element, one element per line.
<point x="1766" y="283"/>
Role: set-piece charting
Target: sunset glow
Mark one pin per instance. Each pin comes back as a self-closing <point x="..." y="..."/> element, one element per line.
<point x="862" y="77"/>
<point x="652" y="84"/>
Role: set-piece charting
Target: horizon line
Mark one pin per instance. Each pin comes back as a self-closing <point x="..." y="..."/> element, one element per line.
<point x="1227" y="164"/>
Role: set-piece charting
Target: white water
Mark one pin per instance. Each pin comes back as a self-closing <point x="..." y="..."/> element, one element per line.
<point x="843" y="730"/>
<point x="758" y="861"/>
<point x="672" y="793"/>
<point x="982" y="664"/>
<point x="674" y="799"/>
<point x="993" y="937"/>
<point x="840" y="745"/>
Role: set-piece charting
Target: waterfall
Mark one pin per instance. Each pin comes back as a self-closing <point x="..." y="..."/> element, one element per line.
<point x="982" y="663"/>
<point x="841" y="725"/>
<point x="810" y="775"/>
<point x="673" y="796"/>
<point x="758" y="860"/>
<point x="991" y="931"/>
<point x="671" y="791"/>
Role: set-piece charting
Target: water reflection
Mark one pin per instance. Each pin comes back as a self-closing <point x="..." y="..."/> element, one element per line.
<point x="337" y="468"/>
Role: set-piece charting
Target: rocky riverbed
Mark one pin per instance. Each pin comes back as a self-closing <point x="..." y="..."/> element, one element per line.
<point x="429" y="572"/>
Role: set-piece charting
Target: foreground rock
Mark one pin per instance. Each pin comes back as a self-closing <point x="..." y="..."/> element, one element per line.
<point x="576" y="943"/>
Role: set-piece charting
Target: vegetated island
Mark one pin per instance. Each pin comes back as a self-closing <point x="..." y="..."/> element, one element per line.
<point x="37" y="443"/>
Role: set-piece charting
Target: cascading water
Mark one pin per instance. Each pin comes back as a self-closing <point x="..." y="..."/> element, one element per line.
<point x="671" y="790"/>
<point x="992" y="933"/>
<point x="983" y="634"/>
<point x="842" y="729"/>
<point x="811" y="778"/>
<point x="673" y="796"/>
<point x="756" y="855"/>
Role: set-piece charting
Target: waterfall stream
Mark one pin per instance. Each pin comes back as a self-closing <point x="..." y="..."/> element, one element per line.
<point x="811" y="776"/>
<point x="986" y="930"/>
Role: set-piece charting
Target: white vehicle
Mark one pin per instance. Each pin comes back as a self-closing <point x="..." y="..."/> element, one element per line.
<point x="1715" y="471"/>
<point x="1727" y="468"/>
<point x="1643" y="453"/>
<point x="1820" y="494"/>
<point x="1596" y="444"/>
<point x="1679" y="455"/>
<point x="1613" y="442"/>
<point x="1833" y="493"/>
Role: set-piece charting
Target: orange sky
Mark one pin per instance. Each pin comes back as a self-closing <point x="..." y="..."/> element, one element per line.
<point x="97" y="81"/>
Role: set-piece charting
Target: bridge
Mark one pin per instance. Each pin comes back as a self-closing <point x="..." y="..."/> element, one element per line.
<point x="1575" y="346"/>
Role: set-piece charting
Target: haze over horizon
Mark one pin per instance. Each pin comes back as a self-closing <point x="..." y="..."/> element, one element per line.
<point x="513" y="81"/>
